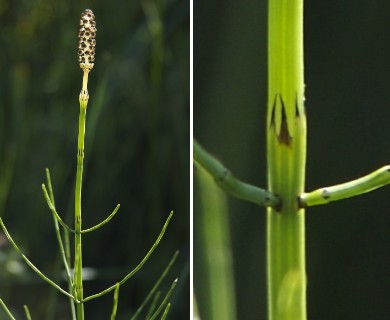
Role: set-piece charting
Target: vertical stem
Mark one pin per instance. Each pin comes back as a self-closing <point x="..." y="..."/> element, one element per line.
<point x="78" y="264"/>
<point x="286" y="152"/>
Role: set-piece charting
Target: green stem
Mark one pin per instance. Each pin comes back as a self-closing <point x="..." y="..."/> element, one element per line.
<point x="78" y="264"/>
<point x="286" y="151"/>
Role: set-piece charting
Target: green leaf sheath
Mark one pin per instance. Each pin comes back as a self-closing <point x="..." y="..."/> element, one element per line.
<point x="286" y="152"/>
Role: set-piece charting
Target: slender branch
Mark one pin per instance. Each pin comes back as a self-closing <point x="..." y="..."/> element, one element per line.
<point x="166" y="311"/>
<point x="60" y="242"/>
<point x="115" y="303"/>
<point x="9" y="314"/>
<point x="367" y="183"/>
<point x="50" y="186"/>
<point x="27" y="312"/>
<point x="62" y="223"/>
<point x="103" y="222"/>
<point x="229" y="183"/>
<point x="164" y="302"/>
<point x="139" y="266"/>
<point x="156" y="285"/>
<point x="54" y="211"/>
<point x="31" y="265"/>
<point x="153" y="305"/>
<point x="67" y="247"/>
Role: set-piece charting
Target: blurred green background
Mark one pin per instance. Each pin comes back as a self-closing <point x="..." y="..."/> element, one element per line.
<point x="137" y="147"/>
<point x="347" y="50"/>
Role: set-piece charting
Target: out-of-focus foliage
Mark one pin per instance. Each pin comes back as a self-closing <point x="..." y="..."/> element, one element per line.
<point x="213" y="252"/>
<point x="137" y="147"/>
<point x="347" y="100"/>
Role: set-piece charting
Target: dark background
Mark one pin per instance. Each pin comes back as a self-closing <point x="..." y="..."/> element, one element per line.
<point x="347" y="67"/>
<point x="137" y="148"/>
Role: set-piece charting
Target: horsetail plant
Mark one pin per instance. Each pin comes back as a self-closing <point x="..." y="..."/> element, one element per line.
<point x="286" y="199"/>
<point x="75" y="292"/>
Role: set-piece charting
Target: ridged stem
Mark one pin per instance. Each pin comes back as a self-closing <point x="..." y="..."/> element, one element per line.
<point x="78" y="263"/>
<point x="286" y="152"/>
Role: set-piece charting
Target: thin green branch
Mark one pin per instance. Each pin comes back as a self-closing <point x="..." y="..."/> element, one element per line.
<point x="103" y="222"/>
<point x="56" y="226"/>
<point x="54" y="211"/>
<point x="62" y="223"/>
<point x="115" y="303"/>
<point x="50" y="187"/>
<point x="229" y="183"/>
<point x="164" y="302"/>
<point x="156" y="285"/>
<point x="31" y="265"/>
<point x="139" y="266"/>
<point x="9" y="314"/>
<point x="60" y="243"/>
<point x="370" y="182"/>
<point x="67" y="246"/>
<point x="166" y="311"/>
<point x="153" y="305"/>
<point x="27" y="312"/>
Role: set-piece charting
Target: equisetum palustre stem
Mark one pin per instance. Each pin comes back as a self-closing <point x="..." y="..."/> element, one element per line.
<point x="86" y="53"/>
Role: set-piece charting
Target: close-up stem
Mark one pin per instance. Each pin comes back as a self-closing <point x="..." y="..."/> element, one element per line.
<point x="286" y="158"/>
<point x="229" y="114"/>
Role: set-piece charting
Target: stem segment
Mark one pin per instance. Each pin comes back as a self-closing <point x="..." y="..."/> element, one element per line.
<point x="78" y="263"/>
<point x="286" y="150"/>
